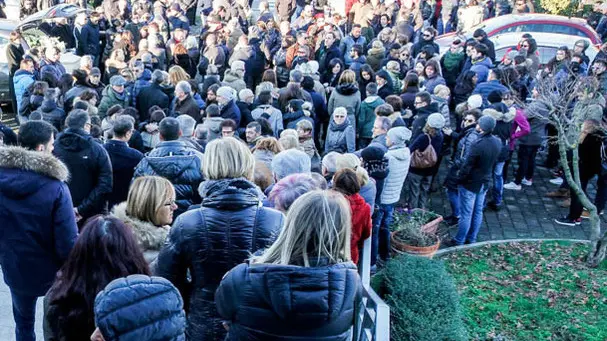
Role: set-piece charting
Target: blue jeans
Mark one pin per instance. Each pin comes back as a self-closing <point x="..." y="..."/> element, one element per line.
<point x="380" y="244"/>
<point x="471" y="214"/>
<point x="498" y="182"/>
<point x="453" y="196"/>
<point x="24" y="313"/>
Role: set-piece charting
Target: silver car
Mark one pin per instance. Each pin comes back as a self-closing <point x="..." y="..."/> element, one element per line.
<point x="32" y="36"/>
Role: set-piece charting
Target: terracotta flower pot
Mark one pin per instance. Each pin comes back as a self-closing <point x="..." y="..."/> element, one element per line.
<point x="400" y="247"/>
<point x="432" y="226"/>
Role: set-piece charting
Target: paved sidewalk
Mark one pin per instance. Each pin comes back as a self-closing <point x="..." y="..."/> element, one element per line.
<point x="7" y="325"/>
<point x="525" y="214"/>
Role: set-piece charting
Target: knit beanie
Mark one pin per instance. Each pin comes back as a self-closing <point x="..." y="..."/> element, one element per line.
<point x="226" y="92"/>
<point x="436" y="121"/>
<point x="399" y="135"/>
<point x="486" y="123"/>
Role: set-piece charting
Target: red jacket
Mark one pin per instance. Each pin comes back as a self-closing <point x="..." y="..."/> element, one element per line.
<point x="361" y="223"/>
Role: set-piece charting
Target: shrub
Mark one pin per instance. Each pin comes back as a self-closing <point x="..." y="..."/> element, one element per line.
<point x="423" y="300"/>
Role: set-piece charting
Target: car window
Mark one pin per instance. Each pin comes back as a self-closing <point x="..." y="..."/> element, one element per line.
<point x="499" y="53"/>
<point x="546" y="53"/>
<point x="547" y="28"/>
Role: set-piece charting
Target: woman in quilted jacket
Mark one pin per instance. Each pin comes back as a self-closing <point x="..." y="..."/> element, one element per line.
<point x="206" y="242"/>
<point x="304" y="287"/>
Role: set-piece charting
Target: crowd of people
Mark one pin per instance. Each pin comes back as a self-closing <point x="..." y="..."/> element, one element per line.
<point x="222" y="183"/>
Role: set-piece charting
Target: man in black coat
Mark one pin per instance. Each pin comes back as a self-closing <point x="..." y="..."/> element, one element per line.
<point x="89" y="164"/>
<point x="37" y="225"/>
<point x="474" y="178"/>
<point x="152" y="95"/>
<point x="424" y="107"/>
<point x="124" y="158"/>
<point x="174" y="160"/>
<point x="89" y="39"/>
<point x="481" y="37"/>
<point x="328" y="50"/>
<point x="184" y="103"/>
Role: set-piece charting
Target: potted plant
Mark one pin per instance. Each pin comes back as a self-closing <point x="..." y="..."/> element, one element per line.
<point x="415" y="233"/>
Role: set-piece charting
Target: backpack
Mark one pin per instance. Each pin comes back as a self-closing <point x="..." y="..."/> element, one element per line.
<point x="426" y="158"/>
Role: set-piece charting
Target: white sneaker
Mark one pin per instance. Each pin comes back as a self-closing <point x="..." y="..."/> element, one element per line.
<point x="513" y="186"/>
<point x="527" y="182"/>
<point x="555" y="181"/>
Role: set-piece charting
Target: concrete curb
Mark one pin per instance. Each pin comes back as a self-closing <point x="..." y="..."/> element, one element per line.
<point x="503" y="241"/>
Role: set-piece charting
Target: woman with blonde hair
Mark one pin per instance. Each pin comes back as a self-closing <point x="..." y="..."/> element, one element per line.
<point x="265" y="149"/>
<point x="304" y="286"/>
<point x="177" y="74"/>
<point x="148" y="210"/>
<point x="230" y="225"/>
<point x="367" y="185"/>
<point x="114" y="64"/>
<point x="346" y="95"/>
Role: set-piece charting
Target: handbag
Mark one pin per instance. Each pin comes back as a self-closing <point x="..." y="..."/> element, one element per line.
<point x="426" y="158"/>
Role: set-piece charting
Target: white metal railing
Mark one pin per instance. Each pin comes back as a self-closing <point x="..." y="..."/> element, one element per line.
<point x="372" y="321"/>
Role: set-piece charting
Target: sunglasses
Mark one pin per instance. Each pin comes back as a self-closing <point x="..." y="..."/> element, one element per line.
<point x="427" y="35"/>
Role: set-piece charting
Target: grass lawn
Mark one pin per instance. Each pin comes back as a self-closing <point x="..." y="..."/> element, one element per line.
<point x="531" y="291"/>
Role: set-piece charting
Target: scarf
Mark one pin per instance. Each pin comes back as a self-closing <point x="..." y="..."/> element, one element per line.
<point x="452" y="60"/>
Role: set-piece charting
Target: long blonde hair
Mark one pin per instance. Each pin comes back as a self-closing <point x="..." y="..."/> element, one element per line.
<point x="318" y="225"/>
<point x="146" y="196"/>
<point x="177" y="74"/>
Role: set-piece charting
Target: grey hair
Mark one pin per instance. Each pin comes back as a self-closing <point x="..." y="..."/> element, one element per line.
<point x="264" y="86"/>
<point x="158" y="77"/>
<point x="340" y="110"/>
<point x="184" y="86"/>
<point x="186" y="124"/>
<point x="318" y="225"/>
<point x="122" y="125"/>
<point x="386" y="124"/>
<point x="202" y="132"/>
<point x="329" y="162"/>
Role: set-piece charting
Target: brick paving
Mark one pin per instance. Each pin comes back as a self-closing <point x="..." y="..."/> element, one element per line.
<point x="525" y="214"/>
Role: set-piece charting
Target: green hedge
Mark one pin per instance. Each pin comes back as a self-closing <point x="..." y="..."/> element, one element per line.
<point x="423" y="300"/>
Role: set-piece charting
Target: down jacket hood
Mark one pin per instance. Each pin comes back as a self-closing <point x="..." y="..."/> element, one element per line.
<point x="231" y="76"/>
<point x="347" y="89"/>
<point x="149" y="236"/>
<point x="140" y="307"/>
<point x="505" y="117"/>
<point x="41" y="163"/>
<point x="230" y="194"/>
<point x="279" y="302"/>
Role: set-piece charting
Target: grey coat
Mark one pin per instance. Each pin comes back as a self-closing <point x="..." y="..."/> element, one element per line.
<point x="340" y="138"/>
<point x="275" y="117"/>
<point x="537" y="115"/>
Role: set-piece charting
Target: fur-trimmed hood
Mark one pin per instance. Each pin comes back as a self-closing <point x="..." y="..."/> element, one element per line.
<point x="39" y="162"/>
<point x="149" y="236"/>
<point x="505" y="117"/>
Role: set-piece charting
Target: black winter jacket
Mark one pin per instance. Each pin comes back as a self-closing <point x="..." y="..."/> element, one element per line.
<point x="90" y="169"/>
<point x="180" y="165"/>
<point x="52" y="114"/>
<point x="287" y="302"/>
<point x="207" y="242"/>
<point x="124" y="160"/>
<point x="150" y="96"/>
<point x="477" y="169"/>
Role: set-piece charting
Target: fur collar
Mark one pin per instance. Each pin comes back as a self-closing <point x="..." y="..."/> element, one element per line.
<point x="505" y="117"/>
<point x="38" y="162"/>
<point x="149" y="236"/>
